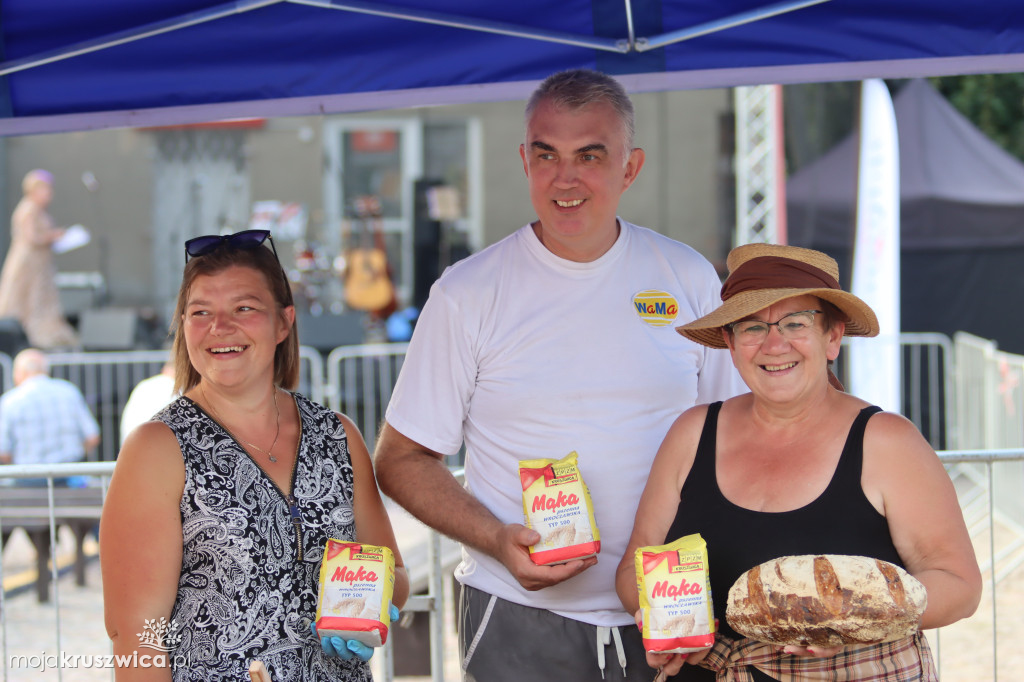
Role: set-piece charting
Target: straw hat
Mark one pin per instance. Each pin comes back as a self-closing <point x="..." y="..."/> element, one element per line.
<point x="763" y="274"/>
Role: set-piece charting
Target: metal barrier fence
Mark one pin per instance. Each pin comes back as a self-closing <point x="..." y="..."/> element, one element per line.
<point x="928" y="390"/>
<point x="102" y="471"/>
<point x="962" y="394"/>
<point x="929" y="387"/>
<point x="359" y="383"/>
<point x="997" y="556"/>
<point x="6" y="372"/>
<point x="999" y="544"/>
<point x="106" y="379"/>
<point x="990" y="402"/>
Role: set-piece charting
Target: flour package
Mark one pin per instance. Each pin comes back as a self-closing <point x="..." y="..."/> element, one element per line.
<point x="356" y="583"/>
<point x="675" y="596"/>
<point x="556" y="504"/>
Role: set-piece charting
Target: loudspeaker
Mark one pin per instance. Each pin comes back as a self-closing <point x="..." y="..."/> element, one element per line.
<point x="426" y="243"/>
<point x="12" y="336"/>
<point x="435" y="245"/>
<point x="107" y="328"/>
<point x="327" y="332"/>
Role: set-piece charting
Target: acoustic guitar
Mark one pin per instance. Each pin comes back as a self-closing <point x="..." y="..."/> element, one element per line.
<point x="368" y="285"/>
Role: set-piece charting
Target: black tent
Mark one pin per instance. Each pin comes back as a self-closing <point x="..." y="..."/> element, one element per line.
<point x="961" y="212"/>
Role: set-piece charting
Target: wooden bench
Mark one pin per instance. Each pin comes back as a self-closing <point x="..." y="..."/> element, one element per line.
<point x="28" y="508"/>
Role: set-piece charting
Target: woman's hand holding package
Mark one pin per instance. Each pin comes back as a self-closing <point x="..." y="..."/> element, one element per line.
<point x="668" y="665"/>
<point x="345" y="649"/>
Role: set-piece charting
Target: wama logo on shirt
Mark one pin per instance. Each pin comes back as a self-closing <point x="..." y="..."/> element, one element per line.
<point x="656" y="308"/>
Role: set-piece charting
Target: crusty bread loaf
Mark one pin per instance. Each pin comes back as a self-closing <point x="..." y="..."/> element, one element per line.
<point x="826" y="600"/>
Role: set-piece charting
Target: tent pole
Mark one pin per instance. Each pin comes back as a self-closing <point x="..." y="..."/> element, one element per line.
<point x="629" y="24"/>
<point x="645" y="44"/>
<point x="383" y="10"/>
<point x="133" y="34"/>
<point x="455" y="21"/>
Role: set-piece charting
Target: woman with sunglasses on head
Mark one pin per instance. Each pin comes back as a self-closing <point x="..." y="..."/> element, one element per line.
<point x="798" y="467"/>
<point x="219" y="509"/>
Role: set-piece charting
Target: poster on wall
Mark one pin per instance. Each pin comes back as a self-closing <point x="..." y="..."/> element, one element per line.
<point x="285" y="220"/>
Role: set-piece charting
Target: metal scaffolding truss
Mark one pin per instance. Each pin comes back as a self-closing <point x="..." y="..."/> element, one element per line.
<point x="760" y="175"/>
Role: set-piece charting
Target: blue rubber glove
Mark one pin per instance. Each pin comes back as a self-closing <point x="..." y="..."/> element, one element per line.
<point x="345" y="649"/>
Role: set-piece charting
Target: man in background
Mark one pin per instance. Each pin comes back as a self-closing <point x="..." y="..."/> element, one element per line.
<point x="43" y="420"/>
<point x="147" y="398"/>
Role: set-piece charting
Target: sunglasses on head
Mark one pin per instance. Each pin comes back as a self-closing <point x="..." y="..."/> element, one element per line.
<point x="246" y="239"/>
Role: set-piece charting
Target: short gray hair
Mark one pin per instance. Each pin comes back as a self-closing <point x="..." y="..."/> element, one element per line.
<point x="579" y="88"/>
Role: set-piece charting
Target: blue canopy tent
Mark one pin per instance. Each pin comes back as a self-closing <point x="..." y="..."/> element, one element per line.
<point x="68" y="64"/>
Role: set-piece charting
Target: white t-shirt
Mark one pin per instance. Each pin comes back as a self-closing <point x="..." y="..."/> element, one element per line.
<point x="526" y="355"/>
<point x="147" y="398"/>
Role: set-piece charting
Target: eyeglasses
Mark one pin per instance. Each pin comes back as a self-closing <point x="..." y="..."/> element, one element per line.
<point x="246" y="239"/>
<point x="794" y="326"/>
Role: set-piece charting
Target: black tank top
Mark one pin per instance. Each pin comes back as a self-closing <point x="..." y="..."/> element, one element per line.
<point x="840" y="521"/>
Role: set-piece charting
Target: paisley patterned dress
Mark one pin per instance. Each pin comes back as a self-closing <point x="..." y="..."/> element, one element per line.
<point x="249" y="575"/>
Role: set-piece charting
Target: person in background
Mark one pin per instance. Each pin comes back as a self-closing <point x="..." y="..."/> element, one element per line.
<point x="219" y="509"/>
<point x="797" y="466"/>
<point x="28" y="288"/>
<point x="147" y="398"/>
<point x="43" y="420"/>
<point x="556" y="339"/>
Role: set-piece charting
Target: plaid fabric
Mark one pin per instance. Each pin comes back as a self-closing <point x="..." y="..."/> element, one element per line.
<point x="904" y="660"/>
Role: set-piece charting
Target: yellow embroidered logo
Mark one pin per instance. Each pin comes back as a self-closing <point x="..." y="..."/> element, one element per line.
<point x="656" y="308"/>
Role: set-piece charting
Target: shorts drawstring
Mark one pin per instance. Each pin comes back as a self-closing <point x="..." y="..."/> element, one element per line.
<point x="620" y="651"/>
<point x="479" y="633"/>
<point x="606" y="636"/>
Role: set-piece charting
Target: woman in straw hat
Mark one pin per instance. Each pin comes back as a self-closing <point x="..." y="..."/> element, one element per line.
<point x="797" y="466"/>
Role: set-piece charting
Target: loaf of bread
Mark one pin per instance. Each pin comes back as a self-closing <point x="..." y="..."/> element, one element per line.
<point x="825" y="601"/>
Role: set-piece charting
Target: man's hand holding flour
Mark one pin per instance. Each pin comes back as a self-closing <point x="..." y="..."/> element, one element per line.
<point x="511" y="549"/>
<point x="455" y="512"/>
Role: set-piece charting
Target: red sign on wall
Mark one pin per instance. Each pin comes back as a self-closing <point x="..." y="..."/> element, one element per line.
<point x="374" y="141"/>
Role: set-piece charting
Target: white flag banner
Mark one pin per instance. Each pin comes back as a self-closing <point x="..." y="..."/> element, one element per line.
<point x="875" y="373"/>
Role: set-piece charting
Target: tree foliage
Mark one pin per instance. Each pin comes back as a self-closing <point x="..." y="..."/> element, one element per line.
<point x="993" y="102"/>
<point x="818" y="115"/>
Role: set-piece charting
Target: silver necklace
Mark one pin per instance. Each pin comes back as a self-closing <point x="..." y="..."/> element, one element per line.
<point x="277" y="434"/>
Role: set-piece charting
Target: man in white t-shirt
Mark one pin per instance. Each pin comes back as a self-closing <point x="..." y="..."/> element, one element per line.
<point x="147" y="398"/>
<point x="558" y="338"/>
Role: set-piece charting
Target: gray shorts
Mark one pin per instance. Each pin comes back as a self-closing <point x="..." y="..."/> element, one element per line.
<point x="504" y="642"/>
